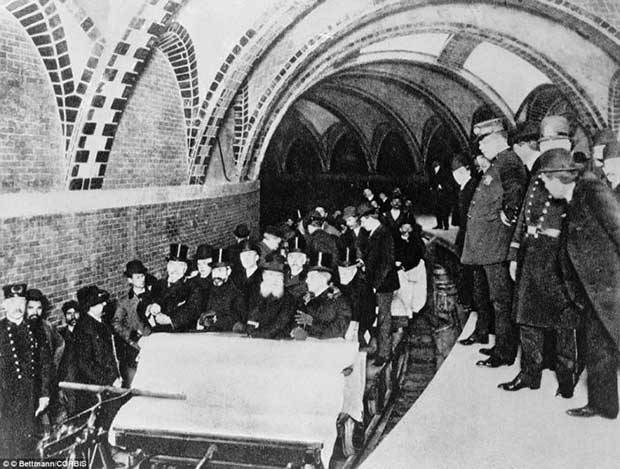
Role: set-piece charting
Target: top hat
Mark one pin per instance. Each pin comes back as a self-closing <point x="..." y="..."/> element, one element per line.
<point x="178" y="253"/>
<point x="220" y="259"/>
<point x="37" y="295"/>
<point x="459" y="161"/>
<point x="204" y="251"/>
<point x="488" y="127"/>
<point x="347" y="258"/>
<point x="135" y="267"/>
<point x="14" y="289"/>
<point x="554" y="127"/>
<point x="365" y="208"/>
<point x="604" y="137"/>
<point x="90" y="296"/>
<point x="611" y="151"/>
<point x="321" y="262"/>
<point x="297" y="244"/>
<point x="249" y="246"/>
<point x="68" y="305"/>
<point x="524" y="132"/>
<point x="556" y="160"/>
<point x="241" y="231"/>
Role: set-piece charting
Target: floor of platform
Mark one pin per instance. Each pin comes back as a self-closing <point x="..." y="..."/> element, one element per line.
<point x="462" y="420"/>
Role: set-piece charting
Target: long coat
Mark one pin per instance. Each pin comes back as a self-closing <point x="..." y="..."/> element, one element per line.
<point x="21" y="384"/>
<point x="593" y="248"/>
<point x="177" y="301"/>
<point x="379" y="261"/>
<point x="466" y="195"/>
<point x="130" y="324"/>
<point x="331" y="314"/>
<point x="228" y="305"/>
<point x="501" y="189"/>
<point x="96" y="352"/>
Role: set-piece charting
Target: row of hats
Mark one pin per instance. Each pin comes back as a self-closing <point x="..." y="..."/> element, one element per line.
<point x="87" y="296"/>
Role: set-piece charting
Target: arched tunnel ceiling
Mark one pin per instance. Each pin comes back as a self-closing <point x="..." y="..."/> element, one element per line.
<point x="319" y="117"/>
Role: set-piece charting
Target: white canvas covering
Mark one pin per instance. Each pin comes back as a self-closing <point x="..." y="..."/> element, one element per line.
<point x="242" y="387"/>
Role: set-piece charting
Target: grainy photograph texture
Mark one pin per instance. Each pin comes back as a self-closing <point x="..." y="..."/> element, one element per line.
<point x="309" y="234"/>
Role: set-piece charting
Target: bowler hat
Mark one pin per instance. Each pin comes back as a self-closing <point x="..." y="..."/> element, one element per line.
<point x="90" y="296"/>
<point x="604" y="137"/>
<point x="135" y="267"/>
<point x="365" y="208"/>
<point x="554" y="127"/>
<point x="178" y="252"/>
<point x="68" y="305"/>
<point x="321" y="262"/>
<point x="484" y="128"/>
<point x="37" y="295"/>
<point x="241" y="231"/>
<point x="611" y="151"/>
<point x="297" y="244"/>
<point x="556" y="160"/>
<point x="204" y="251"/>
<point x="221" y="258"/>
<point x="14" y="289"/>
<point x="524" y="132"/>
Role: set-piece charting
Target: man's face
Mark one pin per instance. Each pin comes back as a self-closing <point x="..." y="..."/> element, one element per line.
<point x="97" y="310"/>
<point x="483" y="163"/>
<point x="405" y="231"/>
<point x="612" y="171"/>
<point x="249" y="259"/>
<point x="367" y="193"/>
<point x="220" y="275"/>
<point x="137" y="281"/>
<point x="317" y="281"/>
<point x="486" y="146"/>
<point x="296" y="260"/>
<point x="347" y="273"/>
<point x="15" y="308"/>
<point x="34" y="309"/>
<point x="204" y="267"/>
<point x="366" y="223"/>
<point x="272" y="241"/>
<point x="382" y="196"/>
<point x="396" y="203"/>
<point x="272" y="284"/>
<point x="554" y="186"/>
<point x="176" y="270"/>
<point x="352" y="222"/>
<point x="597" y="152"/>
<point x="461" y="175"/>
<point x="71" y="317"/>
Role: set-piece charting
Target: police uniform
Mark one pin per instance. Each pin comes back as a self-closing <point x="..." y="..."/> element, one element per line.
<point x="540" y="300"/>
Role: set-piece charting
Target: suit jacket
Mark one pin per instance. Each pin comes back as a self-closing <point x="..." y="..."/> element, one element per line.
<point x="95" y="350"/>
<point x="128" y="323"/>
<point x="357" y="243"/>
<point x="394" y="224"/>
<point x="331" y="314"/>
<point x="501" y="189"/>
<point x="274" y="316"/>
<point x="228" y="305"/>
<point x="178" y="302"/>
<point x="296" y="285"/>
<point x="379" y="261"/>
<point x="249" y="287"/>
<point x="593" y="247"/>
<point x="466" y="194"/>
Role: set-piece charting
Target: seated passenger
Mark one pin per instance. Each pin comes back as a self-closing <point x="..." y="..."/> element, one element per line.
<point x="272" y="316"/>
<point x="225" y="310"/>
<point x="272" y="238"/>
<point x="358" y="291"/>
<point x="202" y="282"/>
<point x="326" y="313"/>
<point x="295" y="277"/>
<point x="248" y="278"/>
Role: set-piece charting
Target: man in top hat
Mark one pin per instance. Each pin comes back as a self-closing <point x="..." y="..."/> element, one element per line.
<point x="242" y="236"/>
<point x="67" y="371"/>
<point x="524" y="142"/>
<point x="272" y="239"/>
<point x="491" y="219"/>
<point x="326" y="312"/>
<point x="319" y="240"/>
<point x="358" y="292"/>
<point x="97" y="361"/>
<point x="541" y="304"/>
<point x="202" y="282"/>
<point x="37" y="308"/>
<point x="248" y="278"/>
<point x="611" y="167"/>
<point x="379" y="267"/>
<point x="440" y="183"/>
<point x="591" y="272"/>
<point x="354" y="237"/>
<point x="272" y="315"/>
<point x="130" y="322"/>
<point x="173" y="307"/>
<point x="24" y="372"/>
<point x="395" y="216"/>
<point x="295" y="275"/>
<point x="226" y="310"/>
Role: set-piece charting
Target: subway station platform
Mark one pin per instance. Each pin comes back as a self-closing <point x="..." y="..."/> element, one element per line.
<point x="462" y="420"/>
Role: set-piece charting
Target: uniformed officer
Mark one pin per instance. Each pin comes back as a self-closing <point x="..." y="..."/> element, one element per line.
<point x="491" y="220"/>
<point x="24" y="373"/>
<point x="540" y="300"/>
<point x="611" y="167"/>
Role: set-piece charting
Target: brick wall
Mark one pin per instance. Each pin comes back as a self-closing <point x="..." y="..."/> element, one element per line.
<point x="150" y="148"/>
<point x="58" y="253"/>
<point x="30" y="131"/>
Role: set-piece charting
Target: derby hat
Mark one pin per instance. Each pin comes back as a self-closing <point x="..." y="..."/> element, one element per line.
<point x="241" y="231"/>
<point x="135" y="267"/>
<point x="459" y="161"/>
<point x="524" y="132"/>
<point x="69" y="305"/>
<point x="488" y="127"/>
<point x="37" y="295"/>
<point x="91" y="295"/>
<point x="178" y="253"/>
<point x="321" y="262"/>
<point x="204" y="251"/>
<point x="365" y="208"/>
<point x="558" y="160"/>
<point x="14" y="289"/>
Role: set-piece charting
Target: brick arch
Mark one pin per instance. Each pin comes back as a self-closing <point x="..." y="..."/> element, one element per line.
<point x="283" y="87"/>
<point x="98" y="122"/>
<point x="614" y="102"/>
<point x="330" y="137"/>
<point x="545" y="100"/>
<point x="431" y="126"/>
<point x="178" y="46"/>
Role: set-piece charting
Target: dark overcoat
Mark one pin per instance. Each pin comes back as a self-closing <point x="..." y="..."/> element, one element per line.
<point x="275" y="316"/>
<point x="501" y="189"/>
<point x="227" y="302"/>
<point x="331" y="314"/>
<point x="379" y="261"/>
<point x="466" y="194"/>
<point x="177" y="301"/>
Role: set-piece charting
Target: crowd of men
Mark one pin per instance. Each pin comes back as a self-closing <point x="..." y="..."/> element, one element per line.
<point x="321" y="276"/>
<point x="541" y="244"/>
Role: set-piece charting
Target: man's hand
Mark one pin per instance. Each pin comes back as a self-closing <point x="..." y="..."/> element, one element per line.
<point x="163" y="319"/>
<point x="303" y="319"/>
<point x="118" y="382"/>
<point x="513" y="270"/>
<point x="299" y="334"/>
<point x="504" y="218"/>
<point x="43" y="403"/>
<point x="153" y="309"/>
